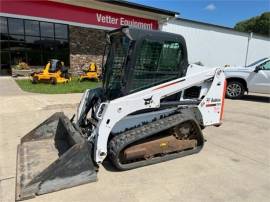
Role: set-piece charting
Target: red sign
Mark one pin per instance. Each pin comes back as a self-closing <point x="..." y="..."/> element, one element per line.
<point x="77" y="14"/>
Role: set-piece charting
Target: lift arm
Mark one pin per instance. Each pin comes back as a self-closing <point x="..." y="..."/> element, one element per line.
<point x="111" y="112"/>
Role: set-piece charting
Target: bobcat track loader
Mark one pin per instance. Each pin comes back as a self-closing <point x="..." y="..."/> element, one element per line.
<point x="151" y="108"/>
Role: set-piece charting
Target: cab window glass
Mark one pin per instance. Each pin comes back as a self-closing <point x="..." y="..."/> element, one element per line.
<point x="157" y="63"/>
<point x="169" y="57"/>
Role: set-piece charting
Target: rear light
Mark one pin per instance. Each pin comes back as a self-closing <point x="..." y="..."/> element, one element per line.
<point x="223" y="100"/>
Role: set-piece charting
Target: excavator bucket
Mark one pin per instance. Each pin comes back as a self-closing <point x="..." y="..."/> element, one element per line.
<point x="51" y="157"/>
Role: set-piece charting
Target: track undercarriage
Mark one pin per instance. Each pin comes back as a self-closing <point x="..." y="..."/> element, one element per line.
<point x="168" y="138"/>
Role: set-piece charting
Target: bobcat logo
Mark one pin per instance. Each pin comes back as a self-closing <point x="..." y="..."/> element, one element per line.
<point x="148" y="101"/>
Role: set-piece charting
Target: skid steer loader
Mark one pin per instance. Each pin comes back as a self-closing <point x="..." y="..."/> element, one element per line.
<point x="151" y="108"/>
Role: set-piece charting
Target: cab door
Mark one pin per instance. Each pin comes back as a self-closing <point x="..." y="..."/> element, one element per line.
<point x="259" y="80"/>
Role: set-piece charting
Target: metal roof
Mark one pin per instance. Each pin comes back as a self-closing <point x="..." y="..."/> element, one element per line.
<point x="204" y="23"/>
<point x="218" y="26"/>
<point x="136" y="33"/>
<point x="141" y="7"/>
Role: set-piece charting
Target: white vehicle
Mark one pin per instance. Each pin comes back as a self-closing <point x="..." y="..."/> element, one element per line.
<point x="151" y="108"/>
<point x="252" y="78"/>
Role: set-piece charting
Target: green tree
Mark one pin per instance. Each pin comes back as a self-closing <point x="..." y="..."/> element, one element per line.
<point x="259" y="24"/>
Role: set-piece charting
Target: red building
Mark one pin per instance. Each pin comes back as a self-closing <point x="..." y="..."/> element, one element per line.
<point x="73" y="31"/>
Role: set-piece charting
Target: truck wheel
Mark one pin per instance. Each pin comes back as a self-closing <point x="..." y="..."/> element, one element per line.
<point x="53" y="81"/>
<point x="35" y="80"/>
<point x="235" y="90"/>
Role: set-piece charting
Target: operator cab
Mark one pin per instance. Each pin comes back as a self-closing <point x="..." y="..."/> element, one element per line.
<point x="137" y="60"/>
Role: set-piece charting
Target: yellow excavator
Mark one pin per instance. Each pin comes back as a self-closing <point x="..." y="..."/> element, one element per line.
<point x="54" y="72"/>
<point x="91" y="73"/>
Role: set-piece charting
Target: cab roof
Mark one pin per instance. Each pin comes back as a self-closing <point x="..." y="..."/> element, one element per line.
<point x="135" y="33"/>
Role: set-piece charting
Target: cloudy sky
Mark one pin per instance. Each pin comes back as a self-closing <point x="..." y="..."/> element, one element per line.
<point x="220" y="12"/>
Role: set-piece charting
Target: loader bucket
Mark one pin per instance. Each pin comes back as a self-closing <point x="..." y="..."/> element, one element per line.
<point x="51" y="157"/>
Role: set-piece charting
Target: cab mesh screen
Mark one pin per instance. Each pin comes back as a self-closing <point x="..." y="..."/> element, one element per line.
<point x="116" y="58"/>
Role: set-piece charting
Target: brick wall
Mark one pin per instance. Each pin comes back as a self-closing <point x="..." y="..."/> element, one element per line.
<point x="86" y="46"/>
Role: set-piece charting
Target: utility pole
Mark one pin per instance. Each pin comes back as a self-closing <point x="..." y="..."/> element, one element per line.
<point x="249" y="38"/>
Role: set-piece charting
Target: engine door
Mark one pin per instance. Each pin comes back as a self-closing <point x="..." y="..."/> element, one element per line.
<point x="259" y="80"/>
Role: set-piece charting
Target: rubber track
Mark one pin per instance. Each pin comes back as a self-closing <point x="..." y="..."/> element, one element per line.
<point x="126" y="138"/>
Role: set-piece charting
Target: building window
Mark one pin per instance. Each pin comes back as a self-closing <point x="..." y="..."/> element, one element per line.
<point x="46" y="29"/>
<point x="33" y="50"/>
<point x="15" y="26"/>
<point x="61" y="31"/>
<point x="16" y="42"/>
<point x="4" y="42"/>
<point x="3" y="25"/>
<point x="32" y="28"/>
<point x="5" y="63"/>
<point x="33" y="42"/>
<point x="62" y="50"/>
<point x="17" y="57"/>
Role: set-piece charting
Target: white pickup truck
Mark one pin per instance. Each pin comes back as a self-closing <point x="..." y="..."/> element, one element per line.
<point x="252" y="78"/>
